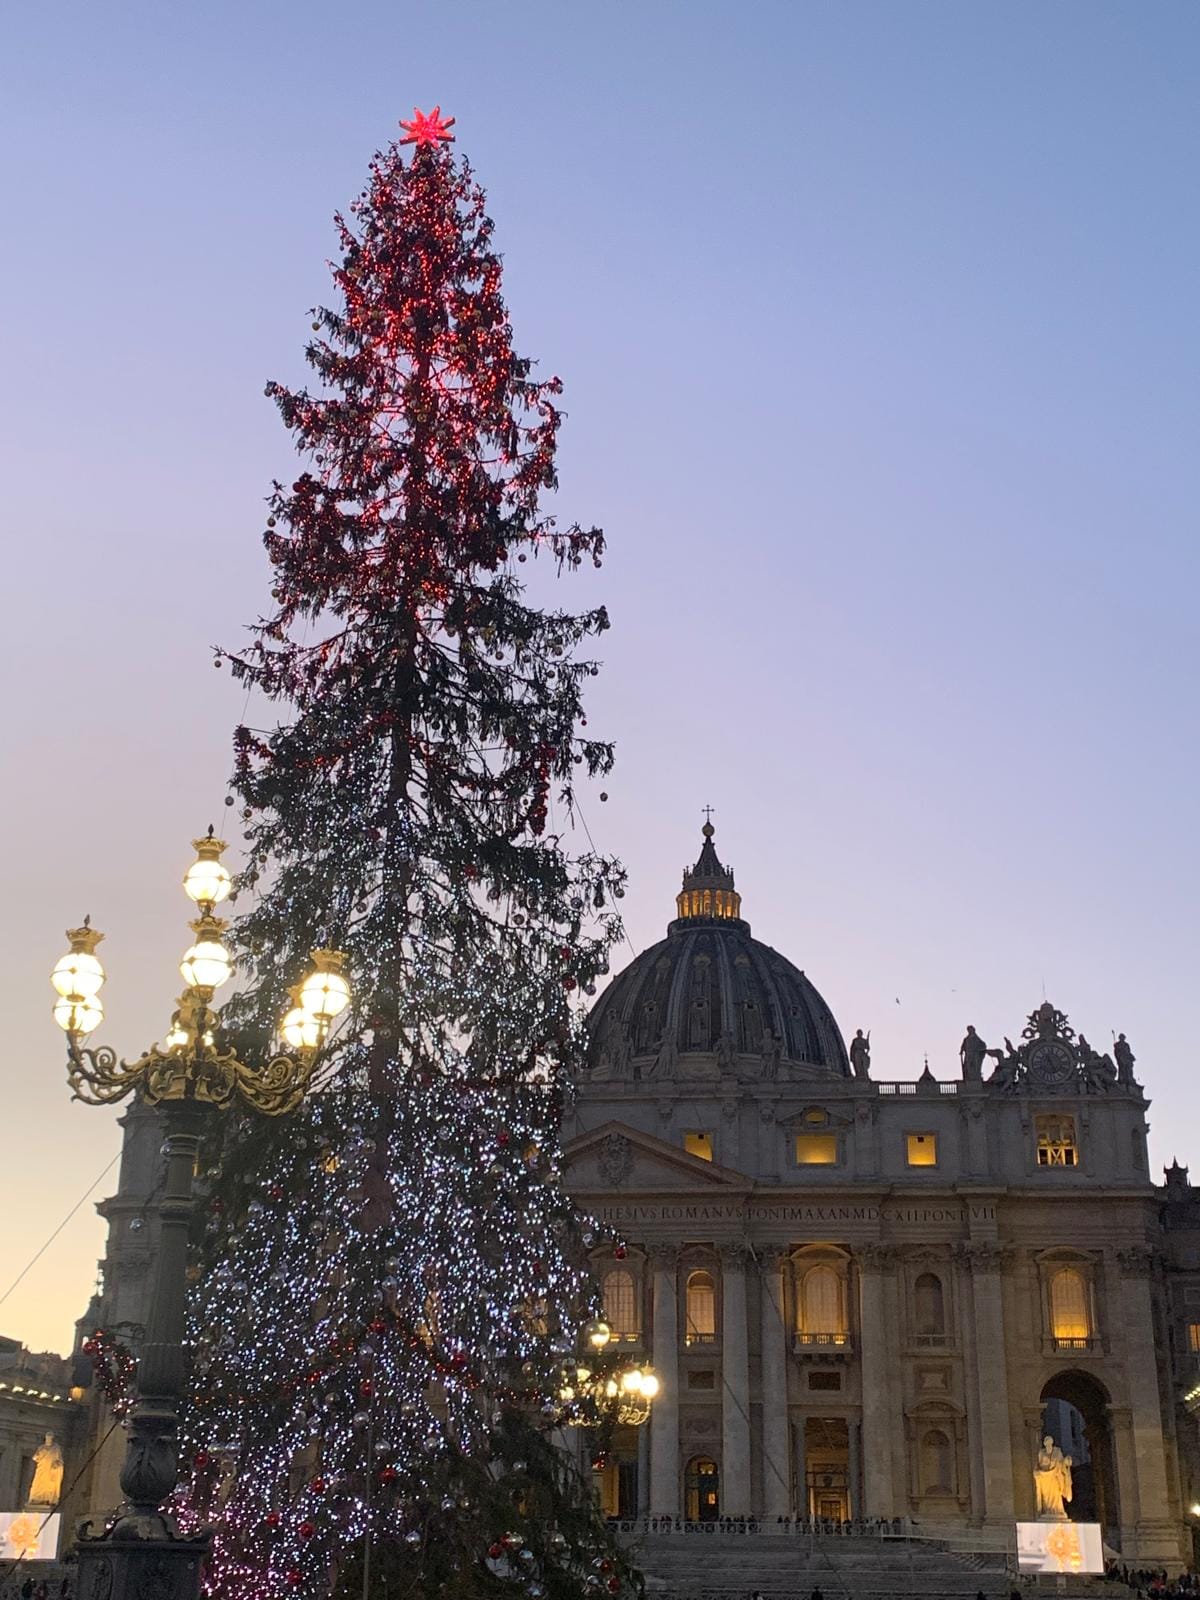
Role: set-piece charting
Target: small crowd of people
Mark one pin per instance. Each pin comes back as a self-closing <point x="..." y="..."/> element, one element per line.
<point x="38" y="1589"/>
<point x="1150" y="1582"/>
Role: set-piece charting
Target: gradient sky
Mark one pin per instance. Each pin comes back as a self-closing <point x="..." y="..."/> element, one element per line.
<point x="878" y="327"/>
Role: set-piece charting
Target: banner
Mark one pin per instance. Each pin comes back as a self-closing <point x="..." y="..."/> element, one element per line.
<point x="1059" y="1547"/>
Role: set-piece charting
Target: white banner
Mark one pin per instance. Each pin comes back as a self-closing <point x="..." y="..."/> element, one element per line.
<point x="1059" y="1547"/>
<point x="29" y="1535"/>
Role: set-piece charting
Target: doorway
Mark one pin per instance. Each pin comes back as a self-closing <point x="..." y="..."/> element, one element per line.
<point x="1075" y="1414"/>
<point x="827" y="1469"/>
<point x="702" y="1490"/>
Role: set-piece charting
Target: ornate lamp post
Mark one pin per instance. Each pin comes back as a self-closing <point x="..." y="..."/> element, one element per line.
<point x="610" y="1392"/>
<point x="142" y="1552"/>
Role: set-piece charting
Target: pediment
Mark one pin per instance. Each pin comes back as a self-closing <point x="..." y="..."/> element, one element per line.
<point x="616" y="1156"/>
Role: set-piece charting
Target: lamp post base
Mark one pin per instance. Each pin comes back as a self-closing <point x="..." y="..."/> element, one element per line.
<point x="141" y="1559"/>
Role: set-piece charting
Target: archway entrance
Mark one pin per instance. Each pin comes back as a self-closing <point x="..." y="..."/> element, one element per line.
<point x="1075" y="1415"/>
<point x="617" y="1480"/>
<point x="702" y="1490"/>
<point x="827" y="1468"/>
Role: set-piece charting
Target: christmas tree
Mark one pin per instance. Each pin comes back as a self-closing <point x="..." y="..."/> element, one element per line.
<point x="392" y="1284"/>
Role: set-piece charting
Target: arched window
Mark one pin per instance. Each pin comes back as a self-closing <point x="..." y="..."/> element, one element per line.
<point x="701" y="1308"/>
<point x="620" y="1305"/>
<point x="937" y="1463"/>
<point x="930" y="1309"/>
<point x="821" y="1318"/>
<point x="1070" y="1321"/>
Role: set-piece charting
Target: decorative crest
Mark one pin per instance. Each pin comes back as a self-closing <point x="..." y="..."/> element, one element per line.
<point x="428" y="130"/>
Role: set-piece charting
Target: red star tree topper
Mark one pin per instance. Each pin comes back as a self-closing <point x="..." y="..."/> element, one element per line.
<point x="392" y="1277"/>
<point x="428" y="129"/>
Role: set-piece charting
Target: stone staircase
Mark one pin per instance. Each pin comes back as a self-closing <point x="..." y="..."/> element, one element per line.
<point x="733" y="1566"/>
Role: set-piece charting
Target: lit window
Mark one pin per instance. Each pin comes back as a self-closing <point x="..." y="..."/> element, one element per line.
<point x="1056" y="1146"/>
<point x="1070" y="1320"/>
<point x="701" y="1308"/>
<point x="816" y="1149"/>
<point x="822" y="1320"/>
<point x="699" y="1143"/>
<point x="1194" y="1338"/>
<point x="620" y="1305"/>
<point x="921" y="1149"/>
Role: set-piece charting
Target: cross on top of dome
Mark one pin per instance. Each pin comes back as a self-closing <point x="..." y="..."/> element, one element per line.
<point x="708" y="889"/>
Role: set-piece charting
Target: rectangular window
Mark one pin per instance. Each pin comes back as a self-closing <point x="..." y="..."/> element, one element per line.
<point x="1056" y="1144"/>
<point x="816" y="1149"/>
<point x="824" y="1380"/>
<point x="1194" y="1338"/>
<point x="698" y="1143"/>
<point x="921" y="1149"/>
<point x="702" y="1380"/>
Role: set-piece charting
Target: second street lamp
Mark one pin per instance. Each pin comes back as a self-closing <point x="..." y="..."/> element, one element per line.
<point x="141" y="1551"/>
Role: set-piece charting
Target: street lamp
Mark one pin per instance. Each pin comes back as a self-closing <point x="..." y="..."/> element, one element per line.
<point x="143" y="1551"/>
<point x="619" y="1391"/>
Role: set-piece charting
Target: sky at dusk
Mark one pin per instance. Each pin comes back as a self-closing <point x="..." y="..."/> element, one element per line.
<point x="878" y="329"/>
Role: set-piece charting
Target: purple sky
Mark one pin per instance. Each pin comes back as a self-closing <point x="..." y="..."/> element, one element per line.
<point x="878" y="326"/>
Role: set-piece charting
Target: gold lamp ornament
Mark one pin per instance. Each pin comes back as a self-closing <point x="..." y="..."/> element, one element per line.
<point x="190" y="1064"/>
<point x="78" y="978"/>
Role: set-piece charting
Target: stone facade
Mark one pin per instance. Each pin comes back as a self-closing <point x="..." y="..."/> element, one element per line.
<point x="868" y="1299"/>
<point x="862" y="1298"/>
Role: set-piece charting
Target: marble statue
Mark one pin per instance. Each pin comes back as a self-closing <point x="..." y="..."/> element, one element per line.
<point x="47" y="1474"/>
<point x="860" y="1054"/>
<point x="972" y="1053"/>
<point x="1052" y="1481"/>
<point x="1125" y="1059"/>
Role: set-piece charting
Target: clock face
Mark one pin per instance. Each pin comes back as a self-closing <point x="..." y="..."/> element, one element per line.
<point x="1051" y="1060"/>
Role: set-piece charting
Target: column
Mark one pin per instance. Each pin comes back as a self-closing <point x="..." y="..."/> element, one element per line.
<point x="735" y="1388"/>
<point x="995" y="1443"/>
<point x="1157" y="1540"/>
<point x="776" y="1472"/>
<point x="643" y="1469"/>
<point x="800" y="1444"/>
<point x="854" y="1468"/>
<point x="664" y="1412"/>
<point x="878" y="1499"/>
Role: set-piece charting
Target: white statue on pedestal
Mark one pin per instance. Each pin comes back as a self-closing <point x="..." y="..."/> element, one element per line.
<point x="47" y="1474"/>
<point x="1052" y="1480"/>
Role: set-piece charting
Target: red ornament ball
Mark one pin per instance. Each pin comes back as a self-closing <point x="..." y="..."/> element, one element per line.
<point x="388" y="1475"/>
<point x="495" y="1551"/>
<point x="272" y="1519"/>
<point x="306" y="1530"/>
<point x="201" y="1458"/>
<point x="319" y="1486"/>
<point x="620" y="1252"/>
<point x="295" y="1578"/>
<point x="614" y="1585"/>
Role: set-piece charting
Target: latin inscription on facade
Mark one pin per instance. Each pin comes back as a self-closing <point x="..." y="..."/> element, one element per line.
<point x="764" y="1211"/>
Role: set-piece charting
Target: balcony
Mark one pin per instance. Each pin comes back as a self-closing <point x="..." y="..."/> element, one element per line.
<point x="691" y="1339"/>
<point x="822" y="1346"/>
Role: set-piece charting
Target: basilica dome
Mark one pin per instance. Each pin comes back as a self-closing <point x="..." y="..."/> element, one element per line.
<point x="709" y="990"/>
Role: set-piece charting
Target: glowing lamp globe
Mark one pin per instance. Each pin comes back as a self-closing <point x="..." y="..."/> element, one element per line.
<point x="300" y="1030"/>
<point x="631" y="1380"/>
<point x="79" y="975"/>
<point x="79" y="1014"/>
<point x="177" y="1039"/>
<point x="325" y="993"/>
<point x="207" y="964"/>
<point x="207" y="881"/>
<point x="597" y="1333"/>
